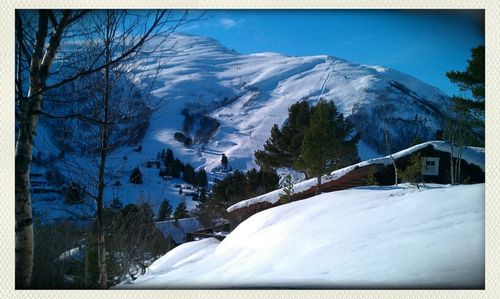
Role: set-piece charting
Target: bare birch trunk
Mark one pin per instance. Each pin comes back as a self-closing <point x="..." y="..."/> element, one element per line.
<point x="388" y="146"/>
<point x="101" y="240"/>
<point x="41" y="60"/>
<point x="24" y="145"/>
<point x="24" y="220"/>
<point x="452" y="173"/>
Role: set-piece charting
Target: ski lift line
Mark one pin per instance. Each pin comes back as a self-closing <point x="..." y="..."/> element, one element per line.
<point x="328" y="78"/>
<point x="320" y="78"/>
<point x="331" y="64"/>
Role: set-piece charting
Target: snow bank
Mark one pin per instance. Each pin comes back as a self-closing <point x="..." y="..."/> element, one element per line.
<point x="370" y="237"/>
<point x="473" y="155"/>
<point x="181" y="255"/>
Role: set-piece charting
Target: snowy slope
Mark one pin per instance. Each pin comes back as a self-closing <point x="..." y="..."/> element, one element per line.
<point x="247" y="94"/>
<point x="369" y="237"/>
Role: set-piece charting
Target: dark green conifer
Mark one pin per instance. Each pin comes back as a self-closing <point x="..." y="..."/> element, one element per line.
<point x="180" y="211"/>
<point x="165" y="210"/>
<point x="327" y="143"/>
<point x="136" y="176"/>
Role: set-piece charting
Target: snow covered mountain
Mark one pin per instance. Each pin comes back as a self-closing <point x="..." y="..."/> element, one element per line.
<point x="233" y="100"/>
<point x="247" y="94"/>
<point x="367" y="237"/>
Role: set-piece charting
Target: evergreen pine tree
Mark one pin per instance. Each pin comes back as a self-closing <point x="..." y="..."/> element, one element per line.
<point x="201" y="179"/>
<point x="165" y="210"/>
<point x="203" y="196"/>
<point x="169" y="157"/>
<point x="471" y="110"/>
<point x="284" y="145"/>
<point x="224" y="161"/>
<point x="188" y="174"/>
<point x="180" y="211"/>
<point x="274" y="154"/>
<point x="286" y="197"/>
<point x="466" y="126"/>
<point x="299" y="117"/>
<point x="253" y="180"/>
<point x="176" y="168"/>
<point x="74" y="194"/>
<point x="326" y="146"/>
<point x="136" y="176"/>
<point x="413" y="172"/>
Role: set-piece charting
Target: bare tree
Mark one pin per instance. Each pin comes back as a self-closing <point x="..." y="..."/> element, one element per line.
<point x="114" y="114"/>
<point x="57" y="56"/>
<point x="455" y="134"/>
<point x="136" y="240"/>
<point x="387" y="138"/>
<point x="39" y="56"/>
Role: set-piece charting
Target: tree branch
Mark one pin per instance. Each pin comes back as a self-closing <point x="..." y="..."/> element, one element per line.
<point x="124" y="55"/>
<point x="52" y="19"/>
<point x="74" y="115"/>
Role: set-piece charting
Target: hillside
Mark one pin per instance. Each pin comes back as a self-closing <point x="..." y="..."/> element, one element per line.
<point x="247" y="94"/>
<point x="368" y="237"/>
<point x="234" y="99"/>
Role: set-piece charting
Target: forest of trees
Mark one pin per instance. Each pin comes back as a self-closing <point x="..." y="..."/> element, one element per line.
<point x="239" y="185"/>
<point x="171" y="166"/>
<point x="135" y="240"/>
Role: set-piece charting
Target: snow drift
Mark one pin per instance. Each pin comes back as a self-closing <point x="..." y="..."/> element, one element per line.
<point x="367" y="237"/>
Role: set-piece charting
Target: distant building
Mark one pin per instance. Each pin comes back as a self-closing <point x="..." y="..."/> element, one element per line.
<point x="190" y="229"/>
<point x="178" y="230"/>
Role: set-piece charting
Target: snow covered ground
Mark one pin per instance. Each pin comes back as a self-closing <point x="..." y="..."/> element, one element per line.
<point x="367" y="237"/>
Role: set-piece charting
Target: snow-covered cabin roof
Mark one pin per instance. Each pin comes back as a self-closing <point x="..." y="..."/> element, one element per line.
<point x="473" y="155"/>
<point x="179" y="230"/>
<point x="76" y="254"/>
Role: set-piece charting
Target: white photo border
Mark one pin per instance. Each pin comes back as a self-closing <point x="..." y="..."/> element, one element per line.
<point x="7" y="147"/>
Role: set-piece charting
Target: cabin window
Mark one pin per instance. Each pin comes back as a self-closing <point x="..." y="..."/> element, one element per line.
<point x="430" y="166"/>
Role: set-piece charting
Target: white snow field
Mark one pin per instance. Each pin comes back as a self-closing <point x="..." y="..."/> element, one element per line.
<point x="367" y="237"/>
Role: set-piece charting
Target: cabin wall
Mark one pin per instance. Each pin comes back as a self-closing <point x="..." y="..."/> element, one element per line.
<point x="471" y="174"/>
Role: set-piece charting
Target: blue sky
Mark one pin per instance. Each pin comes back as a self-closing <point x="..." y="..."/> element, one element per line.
<point x="424" y="44"/>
